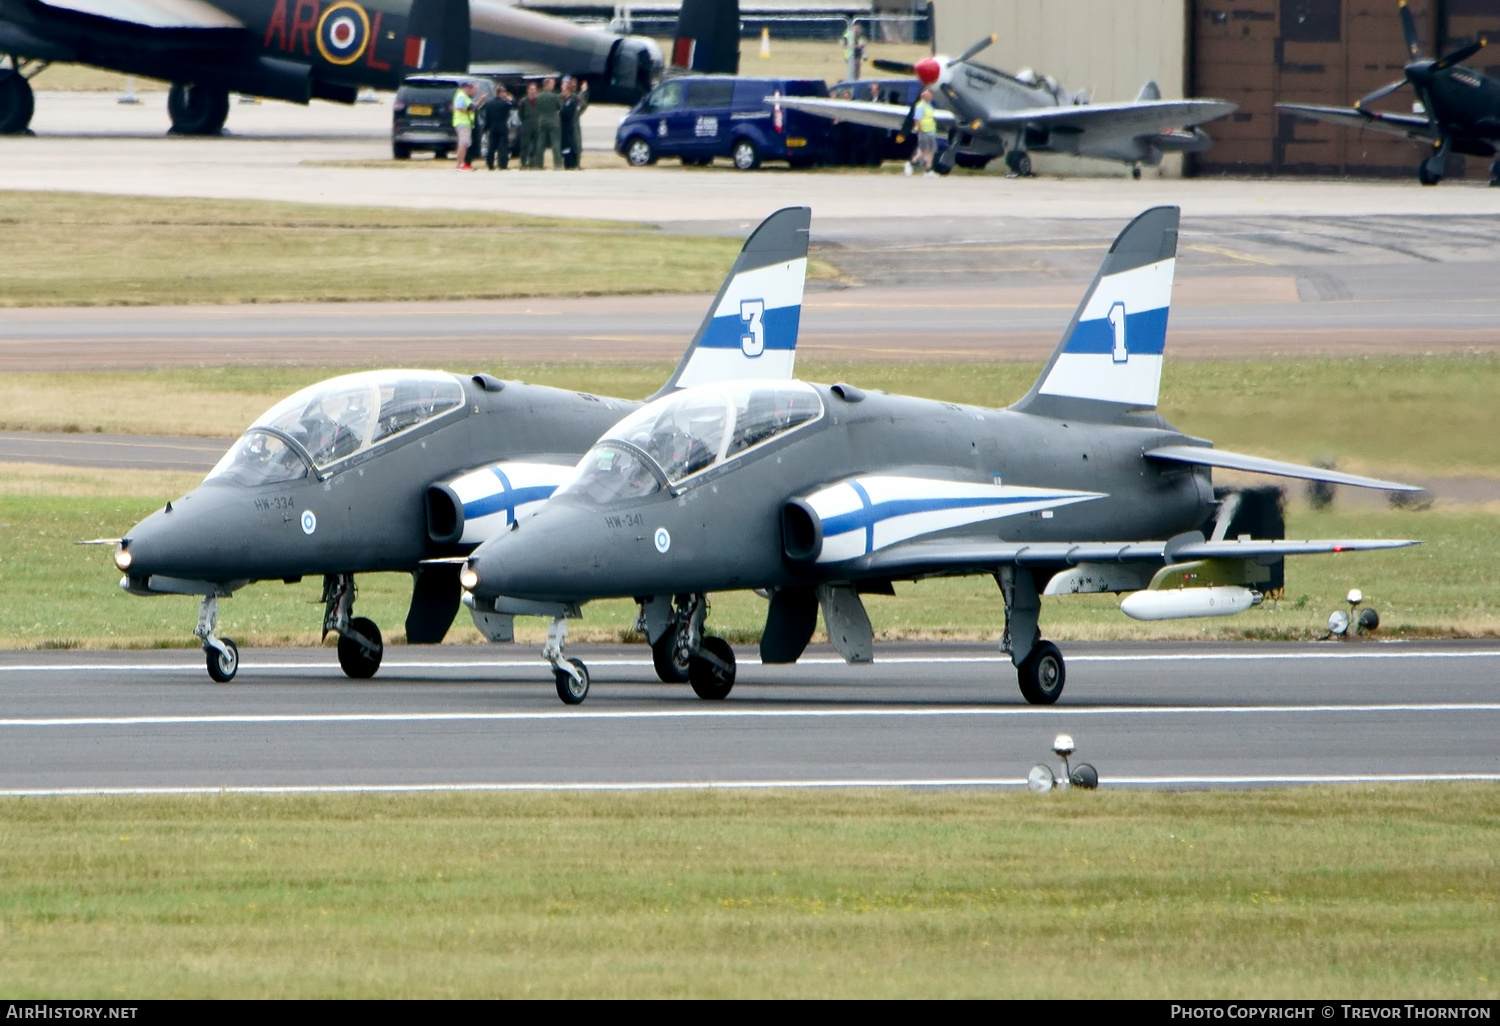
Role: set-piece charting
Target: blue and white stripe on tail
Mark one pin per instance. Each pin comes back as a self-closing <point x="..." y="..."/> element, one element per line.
<point x="751" y="329"/>
<point x="1112" y="352"/>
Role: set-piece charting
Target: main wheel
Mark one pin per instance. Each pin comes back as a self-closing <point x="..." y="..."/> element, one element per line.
<point x="570" y="689"/>
<point x="17" y="103"/>
<point x="638" y="153"/>
<point x="1019" y="161"/>
<point x="222" y="666"/>
<point x="197" y="110"/>
<point x="745" y="155"/>
<point x="1427" y="176"/>
<point x="1042" y="674"/>
<point x="1495" y="172"/>
<point x="1135" y="173"/>
<point x="708" y="680"/>
<point x="357" y="661"/>
<point x="671" y="661"/>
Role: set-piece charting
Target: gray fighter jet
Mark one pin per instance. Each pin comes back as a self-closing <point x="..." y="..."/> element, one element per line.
<point x="817" y="494"/>
<point x="989" y="113"/>
<point x="404" y="470"/>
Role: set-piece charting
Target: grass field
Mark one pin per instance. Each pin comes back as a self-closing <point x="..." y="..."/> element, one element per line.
<point x="86" y="250"/>
<point x="1314" y="893"/>
<point x="1395" y="415"/>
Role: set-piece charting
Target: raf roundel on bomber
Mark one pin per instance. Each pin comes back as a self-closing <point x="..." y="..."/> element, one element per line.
<point x="818" y="494"/>
<point x="409" y="470"/>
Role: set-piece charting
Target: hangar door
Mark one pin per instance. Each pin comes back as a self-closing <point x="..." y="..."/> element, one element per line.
<point x="1261" y="52"/>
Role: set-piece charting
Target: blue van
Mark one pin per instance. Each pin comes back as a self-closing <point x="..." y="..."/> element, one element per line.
<point x="701" y="117"/>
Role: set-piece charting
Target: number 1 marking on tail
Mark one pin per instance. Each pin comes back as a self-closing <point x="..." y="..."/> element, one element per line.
<point x="1117" y="321"/>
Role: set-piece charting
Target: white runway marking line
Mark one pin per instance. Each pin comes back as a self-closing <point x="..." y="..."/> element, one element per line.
<point x="746" y="785"/>
<point x="484" y="664"/>
<point x="579" y="716"/>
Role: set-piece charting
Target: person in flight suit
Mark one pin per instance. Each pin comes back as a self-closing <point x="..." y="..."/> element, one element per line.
<point x="548" y="126"/>
<point x="574" y="103"/>
<point x="494" y="122"/>
<point x="528" y="124"/>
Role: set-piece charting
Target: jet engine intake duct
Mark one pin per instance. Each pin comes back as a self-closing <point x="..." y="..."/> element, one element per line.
<point x="801" y="532"/>
<point x="445" y="515"/>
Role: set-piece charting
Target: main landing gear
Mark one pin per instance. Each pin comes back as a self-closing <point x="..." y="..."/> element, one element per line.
<point x="196" y="109"/>
<point x="360" y="644"/>
<point x="1495" y="172"/>
<point x="1040" y="670"/>
<point x="679" y="650"/>
<point x="17" y="101"/>
<point x="1019" y="162"/>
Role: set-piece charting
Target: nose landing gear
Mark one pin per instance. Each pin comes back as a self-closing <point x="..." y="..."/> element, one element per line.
<point x="571" y="675"/>
<point x="221" y="654"/>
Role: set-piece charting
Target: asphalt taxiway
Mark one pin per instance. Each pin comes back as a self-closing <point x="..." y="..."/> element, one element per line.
<point x="1157" y="715"/>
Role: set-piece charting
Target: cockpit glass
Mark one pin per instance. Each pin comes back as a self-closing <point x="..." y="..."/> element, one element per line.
<point x="337" y="418"/>
<point x="259" y="458"/>
<point x="689" y="432"/>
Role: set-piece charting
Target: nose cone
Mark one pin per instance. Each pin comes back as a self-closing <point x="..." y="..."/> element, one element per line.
<point x="195" y="537"/>
<point x="560" y="554"/>
<point x="928" y="70"/>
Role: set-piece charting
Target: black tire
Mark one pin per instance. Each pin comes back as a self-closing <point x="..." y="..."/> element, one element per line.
<point x="571" y="691"/>
<point x="17" y="103"/>
<point x="745" y="154"/>
<point x="666" y="657"/>
<point x="710" y="682"/>
<point x="1023" y="165"/>
<point x="1495" y="172"/>
<point x="1042" y="674"/>
<point x="222" y="666"/>
<point x="638" y="152"/>
<point x="400" y="151"/>
<point x="1426" y="176"/>
<point x="353" y="658"/>
<point x="973" y="161"/>
<point x="1135" y="173"/>
<point x="197" y="110"/>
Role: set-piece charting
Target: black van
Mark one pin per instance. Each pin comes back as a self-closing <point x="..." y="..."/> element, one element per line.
<point x="423" y="114"/>
<point x="701" y="117"/>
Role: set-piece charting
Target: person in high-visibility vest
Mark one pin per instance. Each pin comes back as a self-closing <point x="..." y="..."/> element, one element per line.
<point x="463" y="122"/>
<point x="925" y="119"/>
<point x="854" y="50"/>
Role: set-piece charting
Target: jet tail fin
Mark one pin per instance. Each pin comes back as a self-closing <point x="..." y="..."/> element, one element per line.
<point x="751" y="328"/>
<point x="1149" y="91"/>
<point x="1109" y="360"/>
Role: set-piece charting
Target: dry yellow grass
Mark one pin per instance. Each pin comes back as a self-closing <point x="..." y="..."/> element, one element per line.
<point x="47" y="480"/>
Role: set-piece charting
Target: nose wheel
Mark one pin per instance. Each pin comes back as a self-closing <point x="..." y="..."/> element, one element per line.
<point x="224" y="661"/>
<point x="572" y="681"/>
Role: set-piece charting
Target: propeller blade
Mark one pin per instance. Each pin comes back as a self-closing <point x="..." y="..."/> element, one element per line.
<point x="1409" y="30"/>
<point x="1380" y="93"/>
<point x="895" y="66"/>
<point x="1460" y="55"/>
<point x="976" y="48"/>
<point x="911" y="119"/>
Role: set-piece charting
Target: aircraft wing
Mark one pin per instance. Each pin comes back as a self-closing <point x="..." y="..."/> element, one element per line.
<point x="889" y="116"/>
<point x="1206" y="457"/>
<point x="1410" y="126"/>
<point x="1139" y="117"/>
<point x="154" y="14"/>
<point x="961" y="555"/>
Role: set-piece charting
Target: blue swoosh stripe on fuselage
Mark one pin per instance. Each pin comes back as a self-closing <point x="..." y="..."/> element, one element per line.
<point x="861" y="519"/>
<point x="1145" y="333"/>
<point x="506" y="500"/>
<point x="780" y="326"/>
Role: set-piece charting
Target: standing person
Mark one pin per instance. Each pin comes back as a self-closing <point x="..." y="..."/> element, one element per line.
<point x="494" y="120"/>
<point x="528" y="124"/>
<point x="854" y="49"/>
<point x="926" y="121"/>
<point x="574" y="103"/>
<point x="548" y="125"/>
<point x="463" y="122"/>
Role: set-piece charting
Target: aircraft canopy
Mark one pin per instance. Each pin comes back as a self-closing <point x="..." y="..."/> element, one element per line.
<point x="688" y="432"/>
<point x="335" y="419"/>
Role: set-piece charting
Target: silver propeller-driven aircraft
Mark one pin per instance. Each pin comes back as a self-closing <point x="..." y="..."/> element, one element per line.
<point x="988" y="112"/>
<point x="818" y="494"/>
<point x="408" y="470"/>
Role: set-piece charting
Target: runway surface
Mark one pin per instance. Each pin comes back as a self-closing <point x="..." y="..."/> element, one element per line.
<point x="1146" y="715"/>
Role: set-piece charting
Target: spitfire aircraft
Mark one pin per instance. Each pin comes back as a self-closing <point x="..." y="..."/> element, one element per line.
<point x="300" y="50"/>
<point x="404" y="470"/>
<point x="818" y="494"/>
<point x="988" y="112"/>
<point x="1458" y="108"/>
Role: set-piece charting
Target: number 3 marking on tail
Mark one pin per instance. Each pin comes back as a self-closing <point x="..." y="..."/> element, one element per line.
<point x="751" y="312"/>
<point x="1117" y="321"/>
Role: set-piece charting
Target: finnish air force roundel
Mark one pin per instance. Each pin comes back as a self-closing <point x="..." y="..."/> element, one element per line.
<point x="343" y="33"/>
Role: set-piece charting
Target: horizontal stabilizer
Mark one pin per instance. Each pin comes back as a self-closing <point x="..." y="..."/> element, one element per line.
<point x="1206" y="457"/>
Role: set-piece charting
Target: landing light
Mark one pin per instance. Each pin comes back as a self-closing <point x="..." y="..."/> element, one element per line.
<point x="123" y="558"/>
<point x="467" y="577"/>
